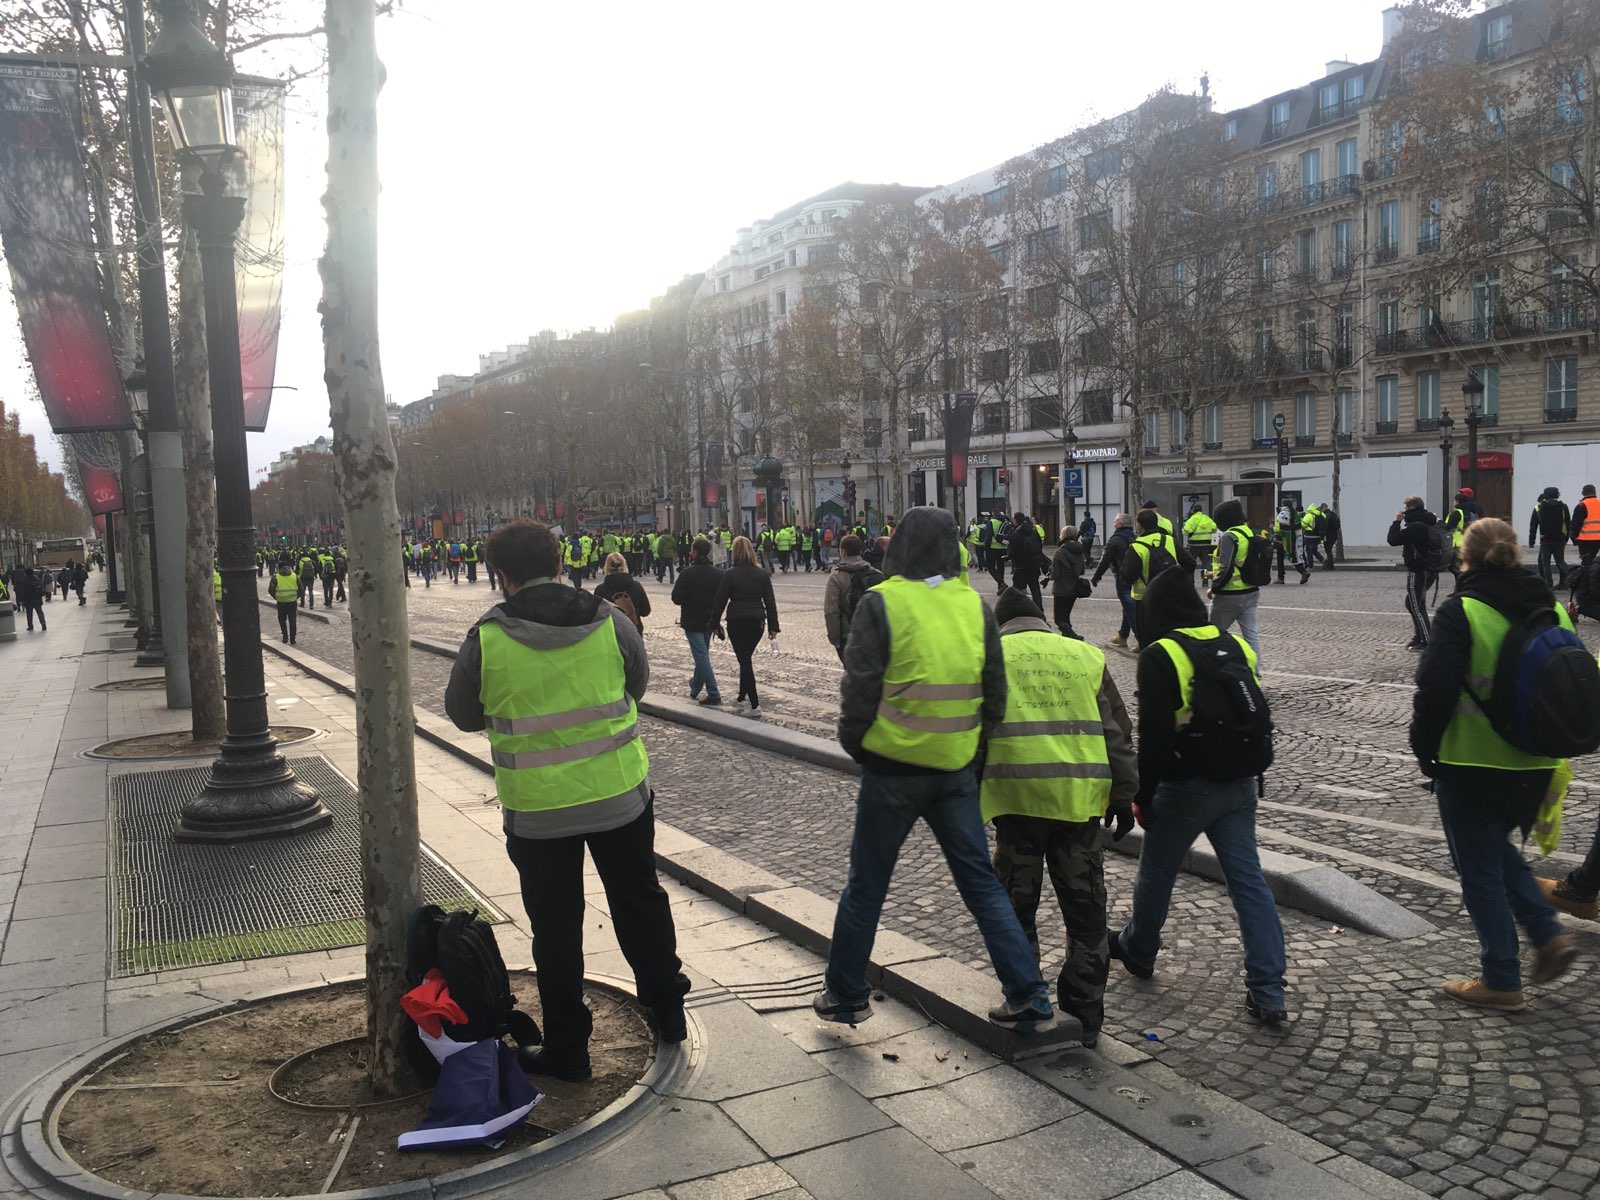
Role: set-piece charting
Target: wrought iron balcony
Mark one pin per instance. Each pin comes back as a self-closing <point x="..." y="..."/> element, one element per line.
<point x="1387" y="252"/>
<point x="1427" y="424"/>
<point x="1386" y="427"/>
<point x="1428" y="243"/>
<point x="1305" y="439"/>
<point x="1559" y="416"/>
<point x="1210" y="447"/>
<point x="1344" y="439"/>
<point x="1342" y="268"/>
<point x="1308" y="359"/>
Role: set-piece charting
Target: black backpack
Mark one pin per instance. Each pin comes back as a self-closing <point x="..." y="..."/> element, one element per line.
<point x="1546" y="692"/>
<point x="1256" y="570"/>
<point x="861" y="582"/>
<point x="462" y="946"/>
<point x="1436" y="548"/>
<point x="1158" y="557"/>
<point x="1229" y="732"/>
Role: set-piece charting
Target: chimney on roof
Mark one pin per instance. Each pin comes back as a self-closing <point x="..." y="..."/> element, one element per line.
<point x="1394" y="19"/>
<point x="1335" y="65"/>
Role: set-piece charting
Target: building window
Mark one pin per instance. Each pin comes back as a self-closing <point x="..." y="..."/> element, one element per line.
<point x="1388" y="403"/>
<point x="1344" y="336"/>
<point x="1267" y="186"/>
<point x="1570" y="97"/>
<point x="1230" y="129"/>
<point x="1344" y="414"/>
<point x="1044" y="412"/>
<point x="1042" y="301"/>
<point x="1152" y="431"/>
<point x="1328" y="102"/>
<point x="1094" y="406"/>
<point x="1264" y="349"/>
<point x="725" y="284"/>
<point x="1427" y="399"/>
<point x="1430" y="226"/>
<point x="1266" y="267"/>
<point x="1489" y="376"/>
<point x="997" y="201"/>
<point x="1308" y="357"/>
<point x="1178" y="429"/>
<point x="1052" y="182"/>
<point x="1353" y="88"/>
<point x="1044" y="243"/>
<point x="1278" y="125"/>
<point x="1485" y="304"/>
<point x="1566" y="194"/>
<point x="872" y="432"/>
<point x="794" y="258"/>
<point x="1180" y="284"/>
<point x="780" y="302"/>
<point x="1311" y="177"/>
<point x="1094" y="350"/>
<point x="994" y="365"/>
<point x="1305" y="419"/>
<point x="997" y="254"/>
<point x="1096" y="290"/>
<point x="1497" y="39"/>
<point x="1562" y="297"/>
<point x="1102" y="164"/>
<point x="1388" y="315"/>
<point x="1388" y="230"/>
<point x="1213" y="427"/>
<point x="826" y="253"/>
<point x="919" y="426"/>
<point x="991" y="418"/>
<point x="1261" y="420"/>
<point x="1430" y="311"/>
<point x="1305" y="245"/>
<point x="1093" y="229"/>
<point x="1344" y="248"/>
<point x="1349" y="155"/>
<point x="1561" y="388"/>
<point x="1043" y="357"/>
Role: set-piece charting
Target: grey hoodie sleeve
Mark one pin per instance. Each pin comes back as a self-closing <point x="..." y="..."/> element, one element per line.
<point x="1227" y="545"/>
<point x="866" y="658"/>
<point x="461" y="702"/>
<point x="635" y="662"/>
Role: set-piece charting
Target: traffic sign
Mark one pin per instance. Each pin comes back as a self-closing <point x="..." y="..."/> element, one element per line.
<point x="1072" y="483"/>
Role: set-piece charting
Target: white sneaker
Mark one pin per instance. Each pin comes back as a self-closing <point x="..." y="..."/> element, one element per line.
<point x="754" y="712"/>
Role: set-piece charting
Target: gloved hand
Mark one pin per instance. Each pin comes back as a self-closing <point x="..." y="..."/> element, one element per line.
<point x="1144" y="812"/>
<point x="1122" y="818"/>
<point x="717" y="632"/>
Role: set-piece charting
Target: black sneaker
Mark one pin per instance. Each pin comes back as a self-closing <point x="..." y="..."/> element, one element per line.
<point x="1133" y="968"/>
<point x="672" y="1026"/>
<point x="1272" y="1017"/>
<point x="569" y="1068"/>
<point x="830" y="1008"/>
<point x="712" y="701"/>
<point x="1036" y="1016"/>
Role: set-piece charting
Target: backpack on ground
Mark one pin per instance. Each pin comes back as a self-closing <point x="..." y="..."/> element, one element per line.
<point x="861" y="582"/>
<point x="1436" y="548"/>
<point x="625" y="602"/>
<point x="1256" y="569"/>
<point x="462" y="946"/>
<point x="1229" y="731"/>
<point x="1546" y="690"/>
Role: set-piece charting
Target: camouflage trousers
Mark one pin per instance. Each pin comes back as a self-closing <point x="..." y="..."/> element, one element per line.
<point x="1024" y="847"/>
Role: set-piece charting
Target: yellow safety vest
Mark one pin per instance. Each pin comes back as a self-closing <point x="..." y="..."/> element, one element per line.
<point x="1236" y="581"/>
<point x="562" y="728"/>
<point x="1470" y="740"/>
<point x="1184" y="665"/>
<point x="930" y="711"/>
<point x="216" y="585"/>
<point x="1141" y="547"/>
<point x="284" y="587"/>
<point x="1048" y="757"/>
<point x="1200" y="529"/>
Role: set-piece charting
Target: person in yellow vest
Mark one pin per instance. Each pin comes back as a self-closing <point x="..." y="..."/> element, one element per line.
<point x="1233" y="597"/>
<point x="284" y="588"/>
<point x="1200" y="532"/>
<point x="1059" y="764"/>
<point x="1151" y="552"/>
<point x="783" y="540"/>
<point x="725" y="539"/>
<point x="216" y="585"/>
<point x="1162" y="523"/>
<point x="1486" y="788"/>
<point x="924" y="678"/>
<point x="554" y="675"/>
<point x="572" y="556"/>
<point x="470" y="550"/>
<point x="1201" y="772"/>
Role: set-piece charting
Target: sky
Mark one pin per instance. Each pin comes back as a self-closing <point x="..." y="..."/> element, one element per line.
<point x="549" y="166"/>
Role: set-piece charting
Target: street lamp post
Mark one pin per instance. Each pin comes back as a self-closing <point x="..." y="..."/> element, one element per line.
<point x="1124" y="478"/>
<point x="1278" y="426"/>
<point x="1472" y="392"/>
<point x="1446" y="424"/>
<point x="250" y="791"/>
<point x="1070" y="437"/>
<point x="152" y="653"/>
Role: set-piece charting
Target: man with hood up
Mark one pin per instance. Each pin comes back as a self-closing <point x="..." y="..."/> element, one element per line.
<point x="1060" y="763"/>
<point x="1232" y="597"/>
<point x="1188" y="789"/>
<point x="924" y="680"/>
<point x="1410" y="531"/>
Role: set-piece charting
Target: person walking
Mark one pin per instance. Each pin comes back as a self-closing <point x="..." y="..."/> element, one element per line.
<point x="1111" y="557"/>
<point x="64" y="579"/>
<point x="622" y="589"/>
<point x="1586" y="525"/>
<point x="1417" y="531"/>
<point x="1333" y="530"/>
<point x="1067" y="570"/>
<point x="30" y="596"/>
<point x="283" y="586"/>
<point x="1283" y="536"/>
<point x="1152" y="552"/>
<point x="1551" y="525"/>
<point x="1312" y="527"/>
<point x="1200" y="533"/>
<point x="695" y="594"/>
<point x="746" y="596"/>
<point x="1577" y="892"/>
<point x="1234" y="598"/>
<point x="1486" y="787"/>
<point x="925" y="677"/>
<point x="549" y="673"/>
<point x="666" y="558"/>
<point x="1060" y="762"/>
<point x="1087" y="531"/>
<point x="994" y="550"/>
<point x="1200" y="778"/>
<point x="1026" y="551"/>
<point x="1461" y="515"/>
<point x="80" y="577"/>
<point x="836" y="594"/>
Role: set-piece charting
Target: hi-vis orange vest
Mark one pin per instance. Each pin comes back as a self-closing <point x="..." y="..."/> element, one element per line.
<point x="1589" y="527"/>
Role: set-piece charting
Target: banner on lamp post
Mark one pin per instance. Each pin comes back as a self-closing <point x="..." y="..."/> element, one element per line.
<point x="55" y="272"/>
<point x="99" y="470"/>
<point x="711" y="481"/>
<point x="958" y="437"/>
<point x="258" y="261"/>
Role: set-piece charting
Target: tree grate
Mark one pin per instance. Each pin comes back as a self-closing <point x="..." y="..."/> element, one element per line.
<point x="186" y="904"/>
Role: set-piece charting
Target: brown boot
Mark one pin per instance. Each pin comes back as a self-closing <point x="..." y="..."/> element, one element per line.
<point x="1472" y="991"/>
<point x="1551" y="960"/>
<point x="1560" y="895"/>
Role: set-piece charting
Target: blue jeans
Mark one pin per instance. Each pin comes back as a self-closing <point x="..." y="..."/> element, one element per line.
<point x="700" y="651"/>
<point x="886" y="808"/>
<point x="1226" y="814"/>
<point x="1126" y="597"/>
<point x="1496" y="885"/>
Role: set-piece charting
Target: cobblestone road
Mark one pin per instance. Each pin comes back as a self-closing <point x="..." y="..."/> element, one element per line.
<point x="1376" y="1064"/>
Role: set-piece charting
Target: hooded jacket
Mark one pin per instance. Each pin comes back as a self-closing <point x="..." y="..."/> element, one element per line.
<point x="1551" y="519"/>
<point x="1169" y="602"/>
<point x="1111" y="553"/>
<point x="1229" y="515"/>
<point x="1067" y="567"/>
<point x="1409" y="531"/>
<point x="839" y="580"/>
<point x="925" y="544"/>
<point x="1442" y="671"/>
<point x="696" y="594"/>
<point x="551" y="614"/>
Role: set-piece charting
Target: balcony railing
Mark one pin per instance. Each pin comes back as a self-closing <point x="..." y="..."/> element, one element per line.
<point x="1266" y="362"/>
<point x="1428" y="243"/>
<point x="1329" y="189"/>
<point x="1344" y="439"/>
<point x="1308" y="359"/>
<point x="1343" y="356"/>
<point x="1488" y="419"/>
<point x="1342" y="268"/>
<point x="1305" y="275"/>
<point x="1210" y="447"/>
<point x="1305" y="439"/>
<point x="1508" y="326"/>
<point x="1387" y="252"/>
<point x="1427" y="424"/>
<point x="1558" y="416"/>
<point x="1386" y="427"/>
<point x="1267" y="205"/>
<point x="1276" y="130"/>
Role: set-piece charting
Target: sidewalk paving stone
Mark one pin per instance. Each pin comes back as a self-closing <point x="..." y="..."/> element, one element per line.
<point x="990" y="1106"/>
<point x="802" y="1116"/>
<point x="888" y="1163"/>
<point x="921" y="1058"/>
<point x="1098" y="1158"/>
<point x="767" y="1058"/>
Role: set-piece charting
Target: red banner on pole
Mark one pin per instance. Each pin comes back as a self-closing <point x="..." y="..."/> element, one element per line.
<point x="55" y="272"/>
<point x="99" y="470"/>
<point x="958" y="437"/>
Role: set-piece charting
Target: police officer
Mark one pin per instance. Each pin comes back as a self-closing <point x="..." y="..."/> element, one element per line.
<point x="1047" y="790"/>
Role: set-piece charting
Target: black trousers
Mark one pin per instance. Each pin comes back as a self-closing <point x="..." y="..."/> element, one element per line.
<point x="997" y="566"/>
<point x="744" y="635"/>
<point x="551" y="870"/>
<point x="1417" y="585"/>
<point x="288" y="619"/>
<point x="1063" y="606"/>
<point x="1029" y="580"/>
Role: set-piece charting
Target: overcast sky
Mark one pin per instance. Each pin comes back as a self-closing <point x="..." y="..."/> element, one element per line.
<point x="547" y="166"/>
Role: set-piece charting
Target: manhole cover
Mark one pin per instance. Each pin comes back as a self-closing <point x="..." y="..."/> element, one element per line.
<point x="178" y="744"/>
<point x="184" y="904"/>
<point x="130" y="685"/>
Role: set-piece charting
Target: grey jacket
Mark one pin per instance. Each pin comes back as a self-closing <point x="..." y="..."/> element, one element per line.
<point x="839" y="581"/>
<point x="925" y="545"/>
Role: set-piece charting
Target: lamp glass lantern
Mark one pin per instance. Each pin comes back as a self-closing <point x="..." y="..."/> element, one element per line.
<point x="1472" y="392"/>
<point x="194" y="82"/>
<point x="138" y="390"/>
<point x="1278" y="423"/>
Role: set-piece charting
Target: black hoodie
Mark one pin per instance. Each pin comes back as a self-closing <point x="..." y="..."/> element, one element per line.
<point x="1410" y="532"/>
<point x="925" y="543"/>
<point x="1443" y="670"/>
<point x="1170" y="602"/>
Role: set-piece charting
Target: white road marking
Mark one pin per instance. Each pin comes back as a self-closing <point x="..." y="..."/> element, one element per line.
<point x="1357" y="793"/>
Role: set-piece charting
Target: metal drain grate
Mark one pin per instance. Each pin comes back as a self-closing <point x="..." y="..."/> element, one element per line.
<point x="184" y="905"/>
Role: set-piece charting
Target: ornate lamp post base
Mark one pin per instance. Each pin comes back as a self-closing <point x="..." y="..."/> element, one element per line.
<point x="251" y="795"/>
<point x="154" y="653"/>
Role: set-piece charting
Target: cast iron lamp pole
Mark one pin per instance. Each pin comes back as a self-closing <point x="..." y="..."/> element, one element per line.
<point x="250" y="792"/>
<point x="1472" y="391"/>
<point x="1446" y="424"/>
<point x="152" y="653"/>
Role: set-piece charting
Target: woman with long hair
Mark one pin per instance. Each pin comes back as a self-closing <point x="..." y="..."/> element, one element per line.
<point x="1485" y="786"/>
<point x="746" y="595"/>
